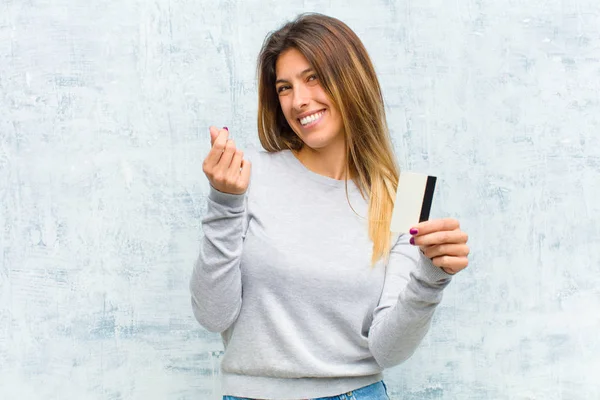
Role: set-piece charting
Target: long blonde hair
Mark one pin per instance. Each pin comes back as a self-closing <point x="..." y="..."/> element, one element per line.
<point x="347" y="75"/>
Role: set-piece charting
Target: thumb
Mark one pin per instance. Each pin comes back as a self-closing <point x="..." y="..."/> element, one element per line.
<point x="214" y="133"/>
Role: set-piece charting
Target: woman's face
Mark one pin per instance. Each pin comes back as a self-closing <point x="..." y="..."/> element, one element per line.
<point x="306" y="107"/>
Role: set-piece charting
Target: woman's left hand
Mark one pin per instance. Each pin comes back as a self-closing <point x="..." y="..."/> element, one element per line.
<point x="442" y="241"/>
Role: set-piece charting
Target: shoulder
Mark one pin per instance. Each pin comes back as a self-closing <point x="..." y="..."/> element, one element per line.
<point x="261" y="158"/>
<point x="267" y="167"/>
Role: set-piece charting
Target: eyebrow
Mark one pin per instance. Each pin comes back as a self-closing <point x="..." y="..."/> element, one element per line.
<point x="307" y="70"/>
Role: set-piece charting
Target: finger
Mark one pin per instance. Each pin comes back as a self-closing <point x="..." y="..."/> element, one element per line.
<point x="214" y="133"/>
<point x="455" y="250"/>
<point x="437" y="238"/>
<point x="221" y="140"/>
<point x="227" y="155"/>
<point x="236" y="164"/>
<point x="214" y="156"/>
<point x="454" y="264"/>
<point x="435" y="225"/>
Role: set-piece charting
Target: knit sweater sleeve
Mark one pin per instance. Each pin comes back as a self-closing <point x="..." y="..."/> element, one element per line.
<point x="216" y="281"/>
<point x="412" y="290"/>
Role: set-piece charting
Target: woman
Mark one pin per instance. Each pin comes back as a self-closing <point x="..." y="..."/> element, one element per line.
<point x="297" y="269"/>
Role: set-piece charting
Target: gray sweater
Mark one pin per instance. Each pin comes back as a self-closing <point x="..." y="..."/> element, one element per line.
<point x="284" y="275"/>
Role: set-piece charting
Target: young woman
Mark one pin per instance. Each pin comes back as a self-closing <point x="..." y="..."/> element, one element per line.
<point x="297" y="270"/>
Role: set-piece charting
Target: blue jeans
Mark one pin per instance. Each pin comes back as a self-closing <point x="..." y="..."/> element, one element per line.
<point x="376" y="391"/>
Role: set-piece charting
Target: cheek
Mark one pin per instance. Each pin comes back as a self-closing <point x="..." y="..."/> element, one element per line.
<point x="285" y="107"/>
<point x="319" y="94"/>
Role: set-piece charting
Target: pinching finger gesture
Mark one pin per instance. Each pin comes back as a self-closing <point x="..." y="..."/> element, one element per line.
<point x="225" y="167"/>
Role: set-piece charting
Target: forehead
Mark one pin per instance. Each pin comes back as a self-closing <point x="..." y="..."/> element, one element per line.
<point x="290" y="63"/>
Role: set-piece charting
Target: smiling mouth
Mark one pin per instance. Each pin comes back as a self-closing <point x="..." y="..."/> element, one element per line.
<point x="311" y="119"/>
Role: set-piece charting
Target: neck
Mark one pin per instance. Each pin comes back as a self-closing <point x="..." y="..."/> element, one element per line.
<point x="330" y="162"/>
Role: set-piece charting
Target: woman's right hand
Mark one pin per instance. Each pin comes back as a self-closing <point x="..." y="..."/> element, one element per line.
<point x="224" y="165"/>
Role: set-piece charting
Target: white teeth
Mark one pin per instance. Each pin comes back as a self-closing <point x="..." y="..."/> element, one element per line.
<point x="311" y="118"/>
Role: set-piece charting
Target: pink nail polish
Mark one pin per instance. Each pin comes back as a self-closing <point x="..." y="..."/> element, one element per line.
<point x="226" y="128"/>
<point x="412" y="240"/>
<point x="413" y="231"/>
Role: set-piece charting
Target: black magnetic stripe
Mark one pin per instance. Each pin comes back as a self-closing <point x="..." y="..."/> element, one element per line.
<point x="427" y="198"/>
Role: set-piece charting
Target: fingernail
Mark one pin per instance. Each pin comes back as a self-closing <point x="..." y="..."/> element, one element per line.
<point x="413" y="231"/>
<point x="226" y="128"/>
<point x="412" y="240"/>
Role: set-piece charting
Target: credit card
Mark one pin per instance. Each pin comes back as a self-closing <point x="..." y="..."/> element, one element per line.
<point x="413" y="201"/>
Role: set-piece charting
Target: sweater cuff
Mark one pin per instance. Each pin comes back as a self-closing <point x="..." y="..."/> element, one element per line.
<point x="431" y="273"/>
<point x="226" y="199"/>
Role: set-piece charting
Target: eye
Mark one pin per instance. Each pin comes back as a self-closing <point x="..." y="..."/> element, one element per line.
<point x="282" y="88"/>
<point x="312" y="77"/>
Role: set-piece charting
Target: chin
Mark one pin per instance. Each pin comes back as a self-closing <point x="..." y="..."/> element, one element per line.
<point x="314" y="140"/>
<point x="314" y="144"/>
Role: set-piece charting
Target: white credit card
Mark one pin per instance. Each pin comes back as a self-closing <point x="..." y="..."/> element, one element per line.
<point x="413" y="201"/>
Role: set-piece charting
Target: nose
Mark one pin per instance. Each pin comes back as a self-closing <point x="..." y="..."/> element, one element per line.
<point x="301" y="97"/>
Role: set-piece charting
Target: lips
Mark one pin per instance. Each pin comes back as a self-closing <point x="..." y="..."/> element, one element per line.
<point x="307" y="120"/>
